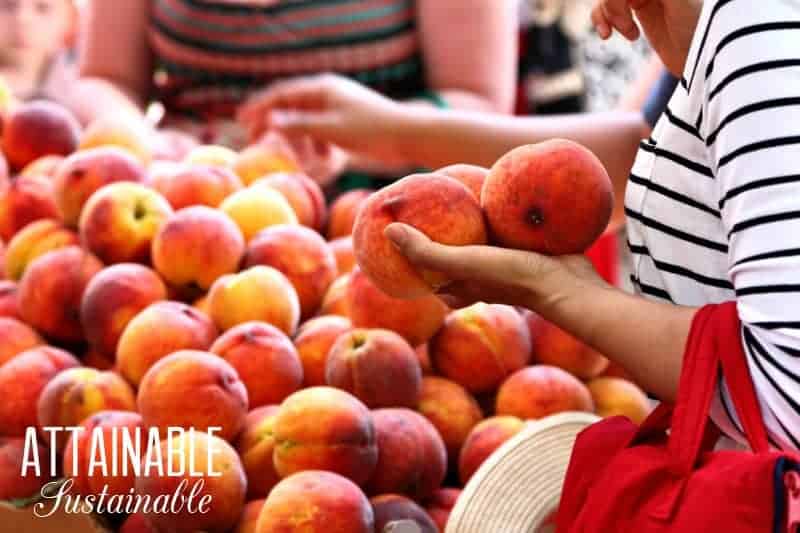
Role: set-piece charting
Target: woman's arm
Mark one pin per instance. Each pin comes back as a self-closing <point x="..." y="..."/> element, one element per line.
<point x="470" y="51"/>
<point x="115" y="60"/>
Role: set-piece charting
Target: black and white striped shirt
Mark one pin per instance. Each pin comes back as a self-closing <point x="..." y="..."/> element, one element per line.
<point x="713" y="201"/>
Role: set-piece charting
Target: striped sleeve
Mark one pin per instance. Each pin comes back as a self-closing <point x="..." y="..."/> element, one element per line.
<point x="750" y="122"/>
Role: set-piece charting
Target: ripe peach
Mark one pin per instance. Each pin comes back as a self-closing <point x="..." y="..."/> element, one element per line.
<point x="76" y="393"/>
<point x="4" y="181"/>
<point x="481" y="345"/>
<point x="190" y="388"/>
<point x="25" y="200"/>
<point x="441" y="504"/>
<point x="554" y="346"/>
<point x="259" y="160"/>
<point x="113" y="297"/>
<point x="541" y="390"/>
<point x="45" y="166"/>
<point x="376" y="366"/>
<point x="201" y="304"/>
<point x="257" y="208"/>
<point x="212" y="155"/>
<point x="38" y="128"/>
<point x="259" y="293"/>
<point x="616" y="396"/>
<point x="553" y="197"/>
<point x="120" y="476"/>
<point x="22" y="380"/>
<point x="314" y="341"/>
<point x="119" y="221"/>
<point x="342" y="249"/>
<point x="439" y="206"/>
<point x="34" y="240"/>
<point x="301" y="255"/>
<point x="14" y="481"/>
<point x="416" y="320"/>
<point x="15" y="338"/>
<point x="121" y="132"/>
<point x="221" y="477"/>
<point x="342" y="216"/>
<point x="451" y="410"/>
<point x="303" y="194"/>
<point x="412" y="458"/>
<point x="471" y="176"/>
<point x="83" y="173"/>
<point x="181" y="249"/>
<point x="392" y="507"/>
<point x="249" y="519"/>
<point x="255" y="446"/>
<point x="482" y="442"/>
<point x="265" y="359"/>
<point x="9" y="302"/>
<point x="50" y="292"/>
<point x="159" y="330"/>
<point x="335" y="301"/>
<point x="197" y="185"/>
<point x="327" y="429"/>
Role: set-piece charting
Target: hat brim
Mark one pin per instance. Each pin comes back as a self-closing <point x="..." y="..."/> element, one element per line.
<point x="517" y="489"/>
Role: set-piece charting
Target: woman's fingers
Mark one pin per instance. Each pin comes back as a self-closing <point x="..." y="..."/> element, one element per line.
<point x="600" y="23"/>
<point x="309" y="93"/>
<point x="617" y="15"/>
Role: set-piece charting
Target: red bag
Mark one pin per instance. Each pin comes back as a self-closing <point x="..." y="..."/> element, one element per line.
<point x="627" y="478"/>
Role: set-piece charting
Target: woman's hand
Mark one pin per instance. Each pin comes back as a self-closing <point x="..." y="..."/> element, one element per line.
<point x="496" y="275"/>
<point x="327" y="108"/>
<point x="668" y="24"/>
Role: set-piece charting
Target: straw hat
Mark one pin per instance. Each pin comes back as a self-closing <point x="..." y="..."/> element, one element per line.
<point x="518" y="488"/>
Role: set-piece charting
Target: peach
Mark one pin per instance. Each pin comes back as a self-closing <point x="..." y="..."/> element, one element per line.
<point x="38" y="128"/>
<point x="619" y="397"/>
<point x="471" y="176"/>
<point x="9" y="301"/>
<point x="416" y="320"/>
<point x="302" y="255"/>
<point x="112" y="298"/>
<point x="260" y="293"/>
<point x="181" y="249"/>
<point x="440" y="207"/>
<point x="137" y="523"/>
<point x="255" y="446"/>
<point x="335" y="301"/>
<point x="77" y="393"/>
<point x="481" y="345"/>
<point x="314" y="340"/>
<point x="541" y="390"/>
<point x="393" y="507"/>
<point x="51" y="290"/>
<point x="34" y="240"/>
<point x="22" y="380"/>
<point x="4" y="179"/>
<point x="159" y="330"/>
<point x="343" y="211"/>
<point x="119" y="221"/>
<point x="303" y="194"/>
<point x="412" y="458"/>
<point x="451" y="410"/>
<point x="342" y="249"/>
<point x="15" y="338"/>
<point x="441" y="504"/>
<point x="265" y="359"/>
<point x="120" y="475"/>
<point x="190" y="388"/>
<point x="257" y="208"/>
<point x="25" y="200"/>
<point x="249" y="519"/>
<point x="554" y="346"/>
<point x="217" y="473"/>
<point x="322" y="428"/>
<point x="125" y="133"/>
<point x="83" y="173"/>
<point x="316" y="502"/>
<point x="259" y="160"/>
<point x="482" y="442"/>
<point x="201" y="304"/>
<point x="45" y="166"/>
<point x="376" y="366"/>
<point x="212" y="155"/>
<point x="14" y="481"/>
<point x="553" y="197"/>
<point x="190" y="185"/>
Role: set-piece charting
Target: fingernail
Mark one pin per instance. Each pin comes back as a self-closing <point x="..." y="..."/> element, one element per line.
<point x="396" y="233"/>
<point x="279" y="119"/>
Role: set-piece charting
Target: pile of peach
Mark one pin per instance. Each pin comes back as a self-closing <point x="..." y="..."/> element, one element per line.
<point x="221" y="291"/>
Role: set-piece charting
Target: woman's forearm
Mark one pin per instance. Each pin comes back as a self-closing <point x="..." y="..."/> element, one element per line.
<point x="91" y="98"/>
